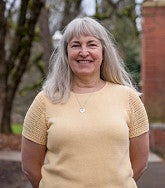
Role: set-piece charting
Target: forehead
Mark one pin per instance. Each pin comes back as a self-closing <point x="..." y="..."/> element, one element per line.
<point x="84" y="38"/>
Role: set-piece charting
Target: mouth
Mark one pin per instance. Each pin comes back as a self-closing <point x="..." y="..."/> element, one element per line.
<point x="84" y="61"/>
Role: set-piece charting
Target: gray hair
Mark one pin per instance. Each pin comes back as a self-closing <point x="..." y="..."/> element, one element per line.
<point x="58" y="83"/>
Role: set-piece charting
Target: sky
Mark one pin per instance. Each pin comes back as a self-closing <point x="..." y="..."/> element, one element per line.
<point x="89" y="9"/>
<point x="89" y="6"/>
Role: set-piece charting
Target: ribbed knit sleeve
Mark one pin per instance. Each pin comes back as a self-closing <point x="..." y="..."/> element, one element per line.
<point x="138" y="116"/>
<point x="35" y="124"/>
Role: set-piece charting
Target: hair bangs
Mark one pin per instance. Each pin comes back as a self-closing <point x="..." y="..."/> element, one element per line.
<point x="76" y="29"/>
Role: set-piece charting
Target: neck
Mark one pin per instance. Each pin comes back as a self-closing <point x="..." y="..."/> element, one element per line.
<point x="87" y="86"/>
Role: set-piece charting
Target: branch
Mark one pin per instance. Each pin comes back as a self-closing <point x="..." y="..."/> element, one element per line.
<point x="112" y="4"/>
<point x="111" y="10"/>
<point x="19" y="34"/>
<point x="2" y="30"/>
<point x="10" y="9"/>
<point x="71" y="10"/>
<point x="26" y="44"/>
<point x="36" y="85"/>
<point x="2" y="42"/>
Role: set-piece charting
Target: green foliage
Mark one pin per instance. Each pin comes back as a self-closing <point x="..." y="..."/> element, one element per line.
<point x="132" y="60"/>
<point x="129" y="46"/>
<point x="16" y="128"/>
<point x="33" y="87"/>
<point x="119" y="17"/>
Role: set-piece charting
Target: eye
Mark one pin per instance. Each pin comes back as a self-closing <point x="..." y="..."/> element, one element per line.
<point x="92" y="45"/>
<point x="75" y="45"/>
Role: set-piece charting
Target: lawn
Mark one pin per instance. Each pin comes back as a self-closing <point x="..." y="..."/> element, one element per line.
<point x="16" y="128"/>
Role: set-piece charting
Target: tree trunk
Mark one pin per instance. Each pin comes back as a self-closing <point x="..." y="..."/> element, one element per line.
<point x="18" y="58"/>
<point x="46" y="40"/>
<point x="6" y="113"/>
<point x="3" y="67"/>
<point x="71" y="10"/>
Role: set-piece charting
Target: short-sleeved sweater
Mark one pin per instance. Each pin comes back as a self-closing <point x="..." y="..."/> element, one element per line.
<point x="90" y="149"/>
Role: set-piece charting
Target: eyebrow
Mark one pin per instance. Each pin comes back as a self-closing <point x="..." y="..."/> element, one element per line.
<point x="74" y="41"/>
<point x="90" y="41"/>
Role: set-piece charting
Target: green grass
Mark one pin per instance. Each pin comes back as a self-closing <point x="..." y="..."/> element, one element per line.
<point x="16" y="128"/>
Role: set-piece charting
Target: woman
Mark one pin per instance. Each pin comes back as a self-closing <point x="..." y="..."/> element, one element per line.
<point x="88" y="127"/>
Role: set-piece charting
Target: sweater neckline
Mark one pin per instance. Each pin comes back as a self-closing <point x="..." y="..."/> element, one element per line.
<point x="94" y="92"/>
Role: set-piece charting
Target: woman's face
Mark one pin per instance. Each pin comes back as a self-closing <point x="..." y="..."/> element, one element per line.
<point x="85" y="55"/>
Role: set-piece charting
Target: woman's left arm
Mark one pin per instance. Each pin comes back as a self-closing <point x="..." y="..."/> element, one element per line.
<point x="139" y="152"/>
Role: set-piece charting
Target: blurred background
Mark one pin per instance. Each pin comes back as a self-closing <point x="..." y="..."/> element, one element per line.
<point x="31" y="29"/>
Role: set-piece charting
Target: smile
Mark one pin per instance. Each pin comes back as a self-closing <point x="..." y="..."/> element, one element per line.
<point x="84" y="61"/>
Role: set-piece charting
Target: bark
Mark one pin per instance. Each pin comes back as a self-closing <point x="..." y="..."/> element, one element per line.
<point x="3" y="67"/>
<point x="19" y="57"/>
<point x="71" y="10"/>
<point x="46" y="41"/>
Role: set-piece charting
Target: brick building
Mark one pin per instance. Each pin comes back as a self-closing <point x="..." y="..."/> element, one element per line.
<point x="153" y="69"/>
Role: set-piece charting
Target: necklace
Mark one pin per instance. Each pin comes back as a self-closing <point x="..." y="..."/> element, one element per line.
<point x="82" y="106"/>
<point x="98" y="86"/>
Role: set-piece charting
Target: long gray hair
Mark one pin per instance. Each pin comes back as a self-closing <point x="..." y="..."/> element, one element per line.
<point x="58" y="83"/>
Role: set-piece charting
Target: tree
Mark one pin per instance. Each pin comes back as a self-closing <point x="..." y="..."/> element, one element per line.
<point x="15" y="54"/>
<point x="120" y="17"/>
<point x="18" y="31"/>
<point x="62" y="12"/>
<point x="45" y="36"/>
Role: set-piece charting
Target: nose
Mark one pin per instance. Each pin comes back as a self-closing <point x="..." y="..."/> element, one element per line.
<point x="84" y="52"/>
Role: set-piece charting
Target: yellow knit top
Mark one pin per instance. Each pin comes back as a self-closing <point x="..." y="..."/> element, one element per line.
<point x="90" y="149"/>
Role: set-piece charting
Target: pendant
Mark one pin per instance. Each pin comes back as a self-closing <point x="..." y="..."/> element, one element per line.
<point x="82" y="110"/>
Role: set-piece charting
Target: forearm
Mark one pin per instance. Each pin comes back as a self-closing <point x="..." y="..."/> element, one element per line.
<point x="33" y="156"/>
<point x="139" y="152"/>
<point x="34" y="176"/>
<point x="138" y="170"/>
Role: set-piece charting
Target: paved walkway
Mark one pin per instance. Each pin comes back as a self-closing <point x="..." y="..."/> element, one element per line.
<point x="154" y="176"/>
<point x="16" y="156"/>
<point x="10" y="155"/>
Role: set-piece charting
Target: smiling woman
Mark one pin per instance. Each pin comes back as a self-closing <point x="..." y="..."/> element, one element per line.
<point x="85" y="57"/>
<point x="59" y="82"/>
<point x="88" y="123"/>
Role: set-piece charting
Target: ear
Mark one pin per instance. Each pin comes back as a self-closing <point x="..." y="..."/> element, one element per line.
<point x="103" y="51"/>
<point x="66" y="50"/>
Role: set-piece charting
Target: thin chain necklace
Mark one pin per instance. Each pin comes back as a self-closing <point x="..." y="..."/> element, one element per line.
<point x="82" y="106"/>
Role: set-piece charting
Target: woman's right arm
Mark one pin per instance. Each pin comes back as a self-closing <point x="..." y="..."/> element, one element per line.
<point x="33" y="156"/>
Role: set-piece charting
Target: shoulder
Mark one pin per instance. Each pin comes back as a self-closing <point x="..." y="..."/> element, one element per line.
<point x="121" y="89"/>
<point x="38" y="102"/>
<point x="41" y="97"/>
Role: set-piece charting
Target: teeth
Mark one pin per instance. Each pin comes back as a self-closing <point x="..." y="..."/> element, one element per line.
<point x="83" y="61"/>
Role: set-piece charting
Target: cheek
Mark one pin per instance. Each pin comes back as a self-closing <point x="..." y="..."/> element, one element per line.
<point x="99" y="56"/>
<point x="71" y="60"/>
<point x="72" y="54"/>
